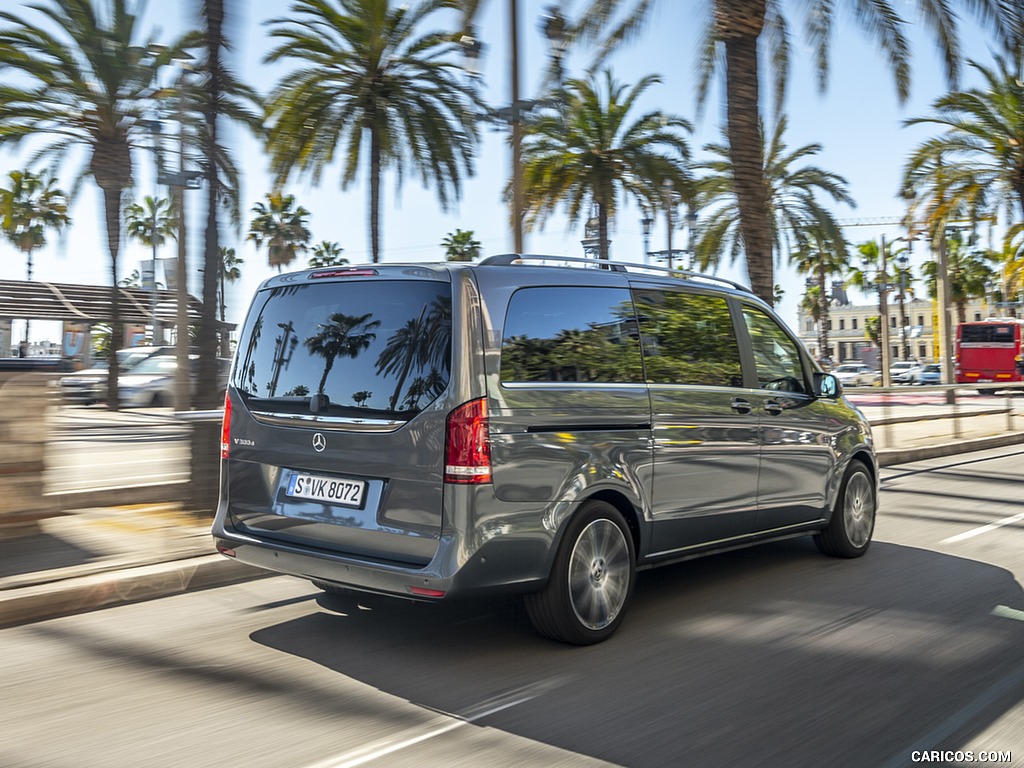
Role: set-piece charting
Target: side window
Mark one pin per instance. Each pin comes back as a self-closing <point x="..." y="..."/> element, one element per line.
<point x="776" y="356"/>
<point x="688" y="338"/>
<point x="571" y="334"/>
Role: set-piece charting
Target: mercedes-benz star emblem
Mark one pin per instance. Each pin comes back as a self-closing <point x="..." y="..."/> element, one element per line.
<point x="319" y="442"/>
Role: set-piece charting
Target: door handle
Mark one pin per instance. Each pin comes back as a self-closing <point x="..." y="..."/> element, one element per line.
<point x="740" y="406"/>
<point x="773" y="407"/>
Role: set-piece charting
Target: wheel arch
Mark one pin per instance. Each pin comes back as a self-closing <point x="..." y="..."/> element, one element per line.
<point x="625" y="507"/>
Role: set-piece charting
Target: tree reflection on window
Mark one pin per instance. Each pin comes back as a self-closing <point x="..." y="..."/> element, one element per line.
<point x="341" y="336"/>
<point x="688" y="338"/>
<point x="571" y="334"/>
<point x="421" y="349"/>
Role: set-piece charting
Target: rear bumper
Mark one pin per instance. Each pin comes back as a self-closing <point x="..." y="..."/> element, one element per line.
<point x="500" y="565"/>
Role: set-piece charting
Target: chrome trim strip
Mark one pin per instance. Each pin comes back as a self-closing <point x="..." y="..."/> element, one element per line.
<point x="337" y="423"/>
<point x="753" y="535"/>
<point x="571" y="385"/>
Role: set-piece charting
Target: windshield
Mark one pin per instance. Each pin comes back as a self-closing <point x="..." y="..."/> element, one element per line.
<point x="848" y="369"/>
<point x="362" y="348"/>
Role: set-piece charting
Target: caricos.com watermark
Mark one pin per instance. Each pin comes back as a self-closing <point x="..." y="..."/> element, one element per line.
<point x="959" y="756"/>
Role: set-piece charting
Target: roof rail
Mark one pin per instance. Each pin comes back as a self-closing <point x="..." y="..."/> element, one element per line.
<point x="508" y="259"/>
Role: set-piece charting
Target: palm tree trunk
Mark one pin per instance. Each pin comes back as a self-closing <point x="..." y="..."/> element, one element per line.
<point x="205" y="464"/>
<point x="602" y="229"/>
<point x="738" y="24"/>
<point x="207" y="385"/>
<point x="375" y="150"/>
<point x="112" y="214"/>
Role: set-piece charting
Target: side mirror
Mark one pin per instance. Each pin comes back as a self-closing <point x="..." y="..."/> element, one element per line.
<point x="827" y="386"/>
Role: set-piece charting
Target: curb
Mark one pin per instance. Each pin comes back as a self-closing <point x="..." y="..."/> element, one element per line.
<point x="131" y="585"/>
<point x="890" y="456"/>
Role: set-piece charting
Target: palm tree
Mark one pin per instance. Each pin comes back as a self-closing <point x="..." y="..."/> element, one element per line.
<point x="969" y="274"/>
<point x="82" y="78"/>
<point x="978" y="163"/>
<point x="327" y="254"/>
<point x="822" y="259"/>
<point x="734" y="34"/>
<point x="586" y="151"/>
<point x="344" y="335"/>
<point x="798" y="221"/>
<point x="30" y="206"/>
<point x="368" y="82"/>
<point x="228" y="272"/>
<point x="460" y="246"/>
<point x="153" y="223"/>
<point x="282" y="226"/>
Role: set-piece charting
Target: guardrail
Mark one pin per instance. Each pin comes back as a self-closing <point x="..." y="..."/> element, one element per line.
<point x="956" y="404"/>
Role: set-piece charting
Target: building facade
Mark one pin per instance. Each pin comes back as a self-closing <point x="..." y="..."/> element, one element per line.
<point x="848" y="339"/>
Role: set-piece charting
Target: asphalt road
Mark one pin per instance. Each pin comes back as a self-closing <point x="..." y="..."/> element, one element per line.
<point x="775" y="656"/>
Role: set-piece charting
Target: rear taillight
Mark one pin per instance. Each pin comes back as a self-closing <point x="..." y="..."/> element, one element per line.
<point x="225" y="429"/>
<point x="467" y="454"/>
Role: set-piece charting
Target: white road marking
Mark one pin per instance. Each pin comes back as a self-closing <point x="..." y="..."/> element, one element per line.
<point x="1008" y="613"/>
<point x="984" y="529"/>
<point x="439" y="726"/>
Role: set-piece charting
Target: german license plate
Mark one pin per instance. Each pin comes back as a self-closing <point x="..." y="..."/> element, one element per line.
<point x="333" y="490"/>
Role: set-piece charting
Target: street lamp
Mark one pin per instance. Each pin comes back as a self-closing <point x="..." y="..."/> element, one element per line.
<point x="647" y="223"/>
<point x="670" y="204"/>
<point x="553" y="26"/>
<point x="177" y="182"/>
<point x="881" y="281"/>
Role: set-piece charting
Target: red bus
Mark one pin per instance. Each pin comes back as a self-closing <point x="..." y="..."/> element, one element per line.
<point x="989" y="351"/>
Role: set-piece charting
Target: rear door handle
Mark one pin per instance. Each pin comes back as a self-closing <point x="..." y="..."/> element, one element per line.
<point x="740" y="405"/>
<point x="773" y="407"/>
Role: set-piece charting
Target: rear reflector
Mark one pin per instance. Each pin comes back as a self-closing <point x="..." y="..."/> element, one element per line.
<point x="424" y="592"/>
<point x="225" y="429"/>
<point x="227" y="551"/>
<point x="468" y="448"/>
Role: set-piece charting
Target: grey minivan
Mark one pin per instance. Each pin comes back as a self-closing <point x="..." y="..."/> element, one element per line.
<point x="548" y="426"/>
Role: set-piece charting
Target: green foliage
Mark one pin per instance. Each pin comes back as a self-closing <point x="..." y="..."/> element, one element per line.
<point x="282" y="227"/>
<point x="800" y="223"/>
<point x="28" y="207"/>
<point x="589" y="149"/>
<point x="461" y="246"/>
<point x="327" y="254"/>
<point x="969" y="273"/>
<point x="976" y="166"/>
<point x="372" y="92"/>
<point x="153" y="223"/>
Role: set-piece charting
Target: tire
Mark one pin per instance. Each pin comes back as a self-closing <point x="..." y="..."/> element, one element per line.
<point x="591" y="581"/>
<point x="848" y="533"/>
<point x="157" y="401"/>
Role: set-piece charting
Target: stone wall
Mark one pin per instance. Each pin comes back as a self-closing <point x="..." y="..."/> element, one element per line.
<point x="26" y="401"/>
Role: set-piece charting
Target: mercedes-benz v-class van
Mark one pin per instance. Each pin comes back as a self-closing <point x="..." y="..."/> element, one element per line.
<point x="549" y="426"/>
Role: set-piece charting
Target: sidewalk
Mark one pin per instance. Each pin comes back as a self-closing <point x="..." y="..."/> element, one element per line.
<point x="100" y="557"/>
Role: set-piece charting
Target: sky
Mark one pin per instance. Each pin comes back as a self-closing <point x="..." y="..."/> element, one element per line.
<point x="858" y="122"/>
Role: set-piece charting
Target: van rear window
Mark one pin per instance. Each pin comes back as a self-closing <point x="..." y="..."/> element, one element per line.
<point x="371" y="349"/>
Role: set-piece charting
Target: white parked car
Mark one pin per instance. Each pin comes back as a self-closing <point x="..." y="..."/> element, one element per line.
<point x="905" y="372"/>
<point x="856" y="375"/>
<point x="150" y="384"/>
<point x="90" y="386"/>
